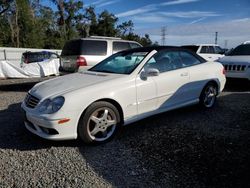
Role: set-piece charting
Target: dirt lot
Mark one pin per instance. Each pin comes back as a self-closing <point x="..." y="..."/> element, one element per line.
<point x="182" y="148"/>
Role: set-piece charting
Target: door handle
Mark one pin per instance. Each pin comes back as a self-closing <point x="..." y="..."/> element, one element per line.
<point x="184" y="74"/>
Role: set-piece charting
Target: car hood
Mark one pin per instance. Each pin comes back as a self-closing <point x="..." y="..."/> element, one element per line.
<point x="245" y="60"/>
<point x="70" y="82"/>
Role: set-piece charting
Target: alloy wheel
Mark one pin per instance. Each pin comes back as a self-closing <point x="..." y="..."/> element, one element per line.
<point x="101" y="124"/>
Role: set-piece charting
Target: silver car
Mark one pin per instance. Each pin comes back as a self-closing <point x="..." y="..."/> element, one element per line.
<point x="86" y="52"/>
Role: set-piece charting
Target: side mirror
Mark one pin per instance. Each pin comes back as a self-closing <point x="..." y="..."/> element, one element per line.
<point x="149" y="73"/>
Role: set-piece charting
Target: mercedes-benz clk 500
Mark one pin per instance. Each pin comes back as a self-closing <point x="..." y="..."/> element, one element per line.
<point x="124" y="88"/>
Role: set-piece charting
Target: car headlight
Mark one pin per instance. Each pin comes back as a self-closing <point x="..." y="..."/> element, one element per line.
<point x="49" y="106"/>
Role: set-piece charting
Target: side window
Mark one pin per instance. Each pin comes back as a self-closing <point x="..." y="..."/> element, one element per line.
<point x="188" y="59"/>
<point x="207" y="50"/>
<point x="91" y="47"/>
<point x="211" y="50"/>
<point x="119" y="46"/>
<point x="218" y="50"/>
<point x="204" y="50"/>
<point x="134" y="45"/>
<point x="165" y="61"/>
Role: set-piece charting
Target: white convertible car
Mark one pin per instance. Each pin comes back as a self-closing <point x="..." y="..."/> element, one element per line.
<point x="122" y="89"/>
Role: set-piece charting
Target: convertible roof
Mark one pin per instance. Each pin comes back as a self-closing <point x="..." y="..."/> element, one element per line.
<point x="151" y="48"/>
<point x="160" y="48"/>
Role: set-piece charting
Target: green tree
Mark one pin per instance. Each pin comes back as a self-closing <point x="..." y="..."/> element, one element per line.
<point x="146" y="41"/>
<point x="72" y="17"/>
<point x="4" y="6"/>
<point x="28" y="23"/>
<point x="106" y="24"/>
<point x="90" y="22"/>
<point x="50" y="32"/>
<point x="5" y="37"/>
<point x="125" y="28"/>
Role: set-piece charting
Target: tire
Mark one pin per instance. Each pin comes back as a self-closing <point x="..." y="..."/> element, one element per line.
<point x="99" y="123"/>
<point x="208" y="95"/>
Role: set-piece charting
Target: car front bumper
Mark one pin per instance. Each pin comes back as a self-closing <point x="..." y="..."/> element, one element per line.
<point x="49" y="128"/>
<point x="235" y="74"/>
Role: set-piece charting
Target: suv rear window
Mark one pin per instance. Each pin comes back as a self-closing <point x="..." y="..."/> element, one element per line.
<point x="85" y="47"/>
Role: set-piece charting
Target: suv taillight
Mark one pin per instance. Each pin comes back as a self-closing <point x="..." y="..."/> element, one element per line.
<point x="224" y="71"/>
<point x="26" y="60"/>
<point x="81" y="61"/>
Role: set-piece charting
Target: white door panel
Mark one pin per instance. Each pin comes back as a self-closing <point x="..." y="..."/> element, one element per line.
<point x="146" y="94"/>
<point x="171" y="87"/>
<point x="198" y="75"/>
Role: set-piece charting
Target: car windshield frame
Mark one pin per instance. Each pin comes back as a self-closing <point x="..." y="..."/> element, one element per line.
<point x="238" y="50"/>
<point x="108" y="66"/>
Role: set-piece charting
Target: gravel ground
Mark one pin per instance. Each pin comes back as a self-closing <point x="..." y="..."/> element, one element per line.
<point x="188" y="147"/>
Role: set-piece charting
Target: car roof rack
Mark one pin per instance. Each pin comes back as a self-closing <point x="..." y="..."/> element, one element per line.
<point x="103" y="37"/>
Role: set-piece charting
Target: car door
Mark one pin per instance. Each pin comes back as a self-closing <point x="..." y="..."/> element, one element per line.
<point x="196" y="71"/>
<point x="146" y="90"/>
<point x="172" y="81"/>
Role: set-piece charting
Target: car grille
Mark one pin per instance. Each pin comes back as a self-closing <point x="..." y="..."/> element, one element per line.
<point x="31" y="101"/>
<point x="238" y="68"/>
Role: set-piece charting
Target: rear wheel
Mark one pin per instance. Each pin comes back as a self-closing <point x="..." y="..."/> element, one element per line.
<point x="99" y="123"/>
<point x="208" y="95"/>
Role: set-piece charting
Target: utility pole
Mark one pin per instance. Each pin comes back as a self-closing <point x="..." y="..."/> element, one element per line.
<point x="216" y="37"/>
<point x="163" y="35"/>
<point x="225" y="46"/>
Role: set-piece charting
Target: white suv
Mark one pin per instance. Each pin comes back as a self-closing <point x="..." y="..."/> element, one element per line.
<point x="210" y="52"/>
<point x="237" y="62"/>
<point x="86" y="52"/>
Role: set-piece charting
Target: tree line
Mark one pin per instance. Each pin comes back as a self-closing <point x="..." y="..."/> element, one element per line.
<point x="29" y="24"/>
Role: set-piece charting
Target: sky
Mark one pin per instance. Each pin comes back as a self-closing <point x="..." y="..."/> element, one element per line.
<point x="185" y="21"/>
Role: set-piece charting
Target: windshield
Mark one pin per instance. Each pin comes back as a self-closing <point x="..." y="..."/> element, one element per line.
<point x="120" y="63"/>
<point x="243" y="49"/>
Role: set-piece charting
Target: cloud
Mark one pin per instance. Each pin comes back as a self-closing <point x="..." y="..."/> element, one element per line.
<point x="102" y="3"/>
<point x="176" y="2"/>
<point x="190" y="14"/>
<point x="95" y="3"/>
<point x="152" y="7"/>
<point x="198" y="20"/>
<point x="152" y="18"/>
<point x="107" y="3"/>
<point x="241" y="20"/>
<point x="234" y="32"/>
<point x="167" y="17"/>
<point x="137" y="11"/>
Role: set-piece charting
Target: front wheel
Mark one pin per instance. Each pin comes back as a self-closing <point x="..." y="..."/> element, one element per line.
<point x="99" y="123"/>
<point x="208" y="95"/>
